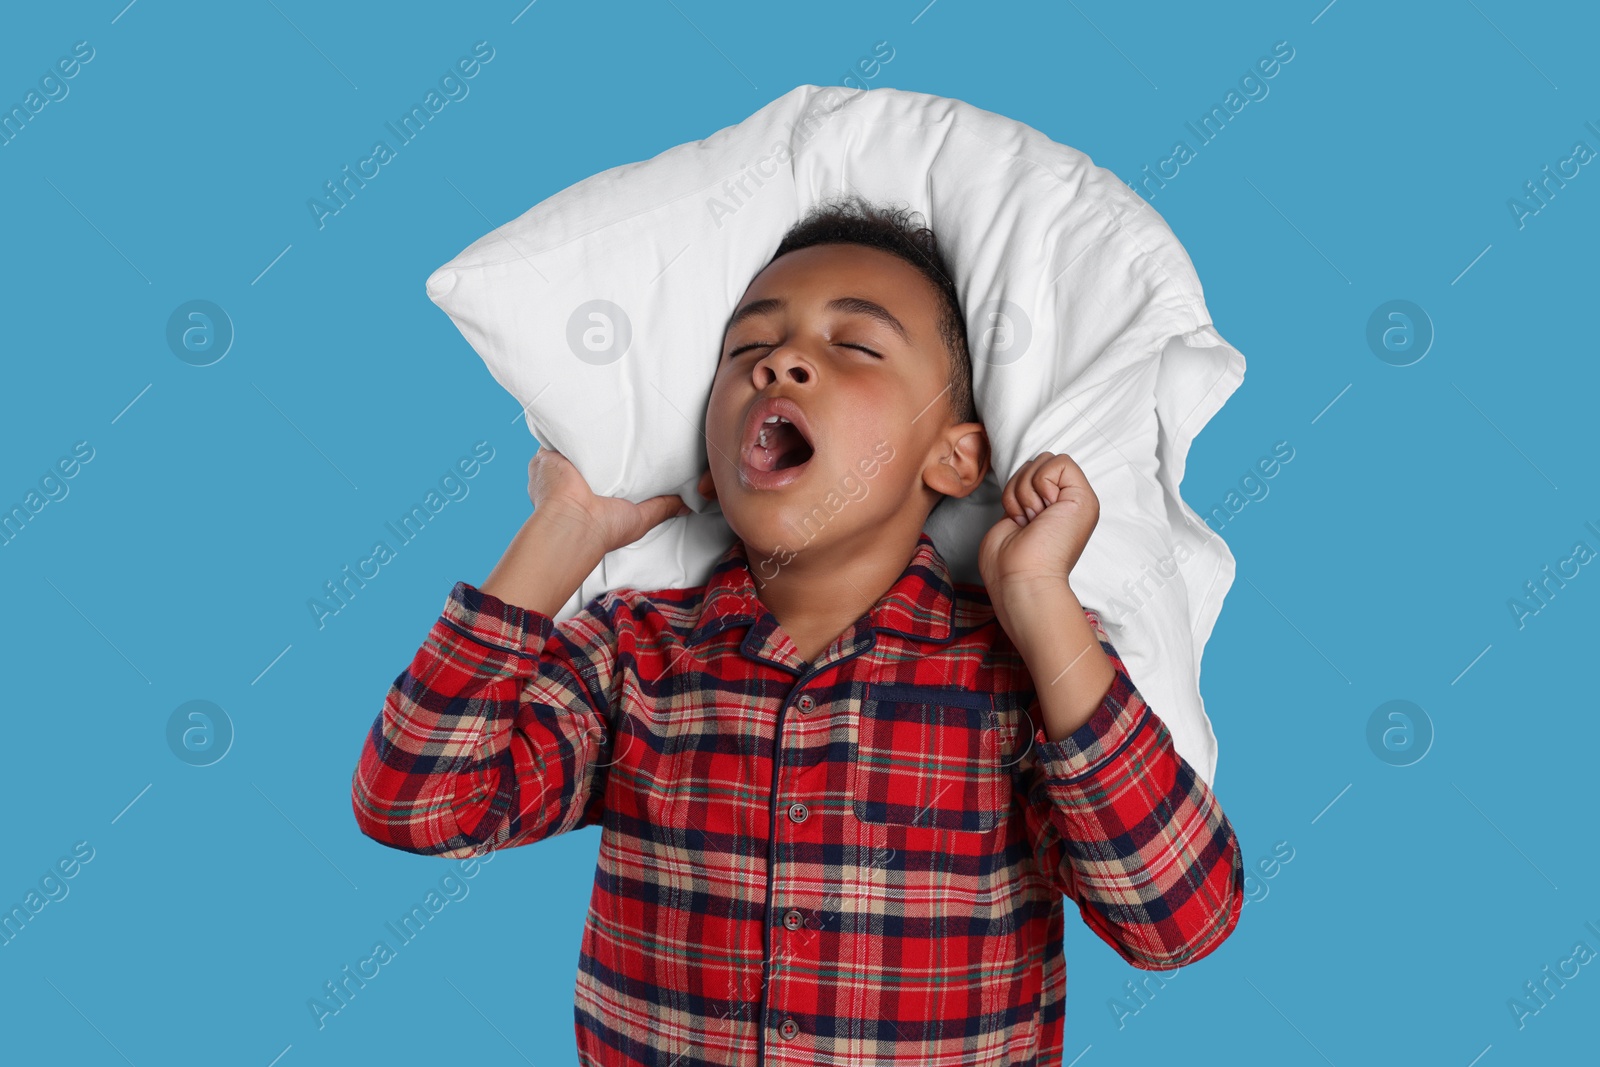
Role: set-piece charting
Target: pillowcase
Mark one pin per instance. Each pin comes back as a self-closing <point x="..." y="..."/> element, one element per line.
<point x="601" y="310"/>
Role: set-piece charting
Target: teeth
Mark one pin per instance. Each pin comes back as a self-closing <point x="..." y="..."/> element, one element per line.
<point x="770" y="420"/>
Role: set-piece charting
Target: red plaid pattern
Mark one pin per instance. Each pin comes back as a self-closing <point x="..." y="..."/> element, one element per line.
<point x="855" y="861"/>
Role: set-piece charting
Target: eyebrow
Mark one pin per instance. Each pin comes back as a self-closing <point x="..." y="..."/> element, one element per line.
<point x="850" y="305"/>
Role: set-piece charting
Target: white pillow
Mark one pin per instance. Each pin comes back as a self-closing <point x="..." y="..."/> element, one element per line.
<point x="601" y="310"/>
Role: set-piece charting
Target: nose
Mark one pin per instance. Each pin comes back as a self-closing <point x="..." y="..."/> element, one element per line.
<point x="786" y="362"/>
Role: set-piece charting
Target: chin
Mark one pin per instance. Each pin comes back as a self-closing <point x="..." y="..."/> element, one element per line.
<point x="780" y="531"/>
<point x="766" y="530"/>
<point x="806" y="507"/>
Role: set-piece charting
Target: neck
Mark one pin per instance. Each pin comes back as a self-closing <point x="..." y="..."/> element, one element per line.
<point x="825" y="588"/>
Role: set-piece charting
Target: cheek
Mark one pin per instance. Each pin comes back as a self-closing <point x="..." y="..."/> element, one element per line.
<point x="721" y="425"/>
<point x="714" y="404"/>
<point x="878" y="411"/>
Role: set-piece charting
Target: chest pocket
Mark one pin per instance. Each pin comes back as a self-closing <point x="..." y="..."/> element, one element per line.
<point x="929" y="756"/>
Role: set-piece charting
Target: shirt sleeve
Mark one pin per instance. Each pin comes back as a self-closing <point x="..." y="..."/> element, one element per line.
<point x="1123" y="825"/>
<point x="495" y="734"/>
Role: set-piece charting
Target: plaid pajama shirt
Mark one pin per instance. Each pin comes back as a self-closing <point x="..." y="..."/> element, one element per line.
<point x="855" y="861"/>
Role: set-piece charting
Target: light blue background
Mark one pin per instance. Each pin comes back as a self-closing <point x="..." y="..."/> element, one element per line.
<point x="1419" y="900"/>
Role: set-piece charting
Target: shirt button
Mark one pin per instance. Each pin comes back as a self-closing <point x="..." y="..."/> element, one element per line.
<point x="805" y="703"/>
<point x="792" y="919"/>
<point x="788" y="1028"/>
<point x="798" y="812"/>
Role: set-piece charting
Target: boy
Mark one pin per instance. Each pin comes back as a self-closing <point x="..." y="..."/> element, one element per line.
<point x="842" y="798"/>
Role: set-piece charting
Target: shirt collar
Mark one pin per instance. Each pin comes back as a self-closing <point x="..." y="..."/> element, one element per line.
<point x="917" y="606"/>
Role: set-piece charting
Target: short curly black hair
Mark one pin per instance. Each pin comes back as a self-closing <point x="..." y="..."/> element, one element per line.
<point x="900" y="231"/>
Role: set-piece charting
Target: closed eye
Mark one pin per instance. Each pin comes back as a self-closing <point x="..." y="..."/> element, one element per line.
<point x="766" y="344"/>
<point x="865" y="349"/>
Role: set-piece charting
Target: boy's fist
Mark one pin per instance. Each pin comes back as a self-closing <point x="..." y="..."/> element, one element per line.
<point x="1050" y="511"/>
<point x="556" y="487"/>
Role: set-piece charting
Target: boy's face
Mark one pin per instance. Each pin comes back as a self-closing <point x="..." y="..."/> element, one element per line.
<point x="871" y="444"/>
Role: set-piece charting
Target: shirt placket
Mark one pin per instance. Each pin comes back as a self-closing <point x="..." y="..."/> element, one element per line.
<point x="784" y="922"/>
<point x="786" y="933"/>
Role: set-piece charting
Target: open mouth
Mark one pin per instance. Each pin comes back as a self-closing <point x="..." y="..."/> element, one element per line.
<point x="779" y="445"/>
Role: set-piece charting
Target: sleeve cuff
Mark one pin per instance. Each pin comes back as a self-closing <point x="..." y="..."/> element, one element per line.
<point x="1119" y="718"/>
<point x="495" y="624"/>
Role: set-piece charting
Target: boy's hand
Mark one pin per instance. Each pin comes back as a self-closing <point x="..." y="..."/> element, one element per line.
<point x="556" y="488"/>
<point x="1050" y="513"/>
<point x="1025" y="561"/>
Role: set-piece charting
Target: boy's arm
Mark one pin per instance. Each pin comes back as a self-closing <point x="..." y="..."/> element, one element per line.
<point x="1121" y="823"/>
<point x="457" y="761"/>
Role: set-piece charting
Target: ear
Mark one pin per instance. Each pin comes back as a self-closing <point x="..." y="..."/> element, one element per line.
<point x="958" y="460"/>
<point x="706" y="487"/>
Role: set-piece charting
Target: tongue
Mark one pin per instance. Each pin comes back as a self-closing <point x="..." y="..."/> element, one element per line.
<point x="785" y="448"/>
